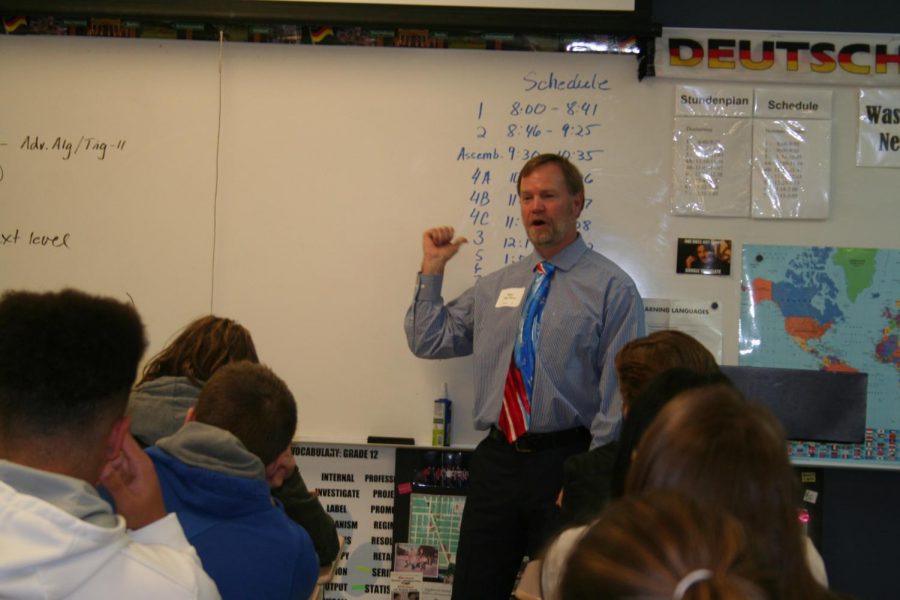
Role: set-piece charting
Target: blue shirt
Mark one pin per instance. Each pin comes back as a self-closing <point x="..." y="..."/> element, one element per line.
<point x="593" y="308"/>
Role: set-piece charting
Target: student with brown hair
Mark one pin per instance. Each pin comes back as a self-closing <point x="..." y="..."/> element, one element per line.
<point x="663" y="546"/>
<point x="591" y="478"/>
<point x="715" y="445"/>
<point x="216" y="473"/>
<point x="609" y="481"/>
<point x="170" y="385"/>
<point x="642" y="359"/>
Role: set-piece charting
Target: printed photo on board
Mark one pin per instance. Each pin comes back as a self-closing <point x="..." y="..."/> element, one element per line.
<point x="703" y="256"/>
<point x="416" y="558"/>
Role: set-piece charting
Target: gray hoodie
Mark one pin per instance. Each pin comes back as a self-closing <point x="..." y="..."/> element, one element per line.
<point x="157" y="408"/>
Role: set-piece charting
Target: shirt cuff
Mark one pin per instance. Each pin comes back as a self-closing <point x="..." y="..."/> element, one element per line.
<point x="428" y="287"/>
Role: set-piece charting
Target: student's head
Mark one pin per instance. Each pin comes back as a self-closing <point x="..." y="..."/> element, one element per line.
<point x="67" y="362"/>
<point x="642" y="359"/>
<point x="644" y="408"/>
<point x="201" y="348"/>
<point x="250" y="401"/>
<point x="713" y="444"/>
<point x="662" y="546"/>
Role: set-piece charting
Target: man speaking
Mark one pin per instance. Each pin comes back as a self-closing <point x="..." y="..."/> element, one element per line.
<point x="544" y="333"/>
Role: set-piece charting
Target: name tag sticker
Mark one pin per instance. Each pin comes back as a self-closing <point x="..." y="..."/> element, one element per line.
<point x="510" y="298"/>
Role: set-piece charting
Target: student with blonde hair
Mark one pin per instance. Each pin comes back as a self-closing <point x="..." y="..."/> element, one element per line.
<point x="640" y="360"/>
<point x="663" y="546"/>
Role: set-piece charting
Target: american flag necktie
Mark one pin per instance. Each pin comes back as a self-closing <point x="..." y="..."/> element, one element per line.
<point x="515" y="416"/>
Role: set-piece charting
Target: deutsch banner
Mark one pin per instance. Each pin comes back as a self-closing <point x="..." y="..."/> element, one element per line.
<point x="869" y="59"/>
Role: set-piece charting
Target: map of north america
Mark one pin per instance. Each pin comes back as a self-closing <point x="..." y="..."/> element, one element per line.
<point x="834" y="309"/>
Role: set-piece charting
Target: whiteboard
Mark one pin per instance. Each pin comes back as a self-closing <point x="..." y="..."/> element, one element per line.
<point x="138" y="214"/>
<point x="299" y="211"/>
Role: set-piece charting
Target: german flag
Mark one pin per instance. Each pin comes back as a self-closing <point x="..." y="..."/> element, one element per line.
<point x="11" y="24"/>
<point x="320" y="33"/>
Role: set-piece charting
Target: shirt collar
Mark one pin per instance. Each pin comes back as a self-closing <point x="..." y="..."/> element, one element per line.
<point x="566" y="258"/>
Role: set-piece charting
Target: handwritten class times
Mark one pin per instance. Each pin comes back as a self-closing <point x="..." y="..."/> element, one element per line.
<point x="570" y="124"/>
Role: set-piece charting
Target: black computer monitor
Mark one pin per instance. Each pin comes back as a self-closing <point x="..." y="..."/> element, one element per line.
<point x="819" y="406"/>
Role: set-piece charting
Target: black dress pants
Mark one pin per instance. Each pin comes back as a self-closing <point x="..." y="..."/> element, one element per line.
<point x="510" y="509"/>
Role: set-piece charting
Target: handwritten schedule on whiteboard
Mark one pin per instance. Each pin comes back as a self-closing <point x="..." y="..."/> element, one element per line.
<point x="568" y="122"/>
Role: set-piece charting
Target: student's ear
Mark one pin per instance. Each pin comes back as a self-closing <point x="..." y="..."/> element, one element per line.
<point x="280" y="469"/>
<point x="116" y="437"/>
<point x="191" y="415"/>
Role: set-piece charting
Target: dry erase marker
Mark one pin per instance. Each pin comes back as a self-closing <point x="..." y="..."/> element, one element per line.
<point x="440" y="434"/>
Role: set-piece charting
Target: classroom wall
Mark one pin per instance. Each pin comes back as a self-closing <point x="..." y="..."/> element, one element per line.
<point x="290" y="192"/>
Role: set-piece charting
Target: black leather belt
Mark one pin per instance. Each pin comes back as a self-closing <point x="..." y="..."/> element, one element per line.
<point x="535" y="442"/>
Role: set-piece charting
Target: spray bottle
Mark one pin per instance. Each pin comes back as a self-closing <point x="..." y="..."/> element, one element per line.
<point x="440" y="434"/>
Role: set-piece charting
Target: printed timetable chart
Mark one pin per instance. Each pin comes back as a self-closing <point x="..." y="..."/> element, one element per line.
<point x="434" y="520"/>
<point x="759" y="152"/>
<point x="712" y="142"/>
<point x="791" y="154"/>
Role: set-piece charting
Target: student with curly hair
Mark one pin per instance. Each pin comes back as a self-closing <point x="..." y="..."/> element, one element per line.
<point x="171" y="380"/>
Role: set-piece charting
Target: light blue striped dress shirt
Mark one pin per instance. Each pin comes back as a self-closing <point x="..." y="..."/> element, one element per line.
<point x="593" y="309"/>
